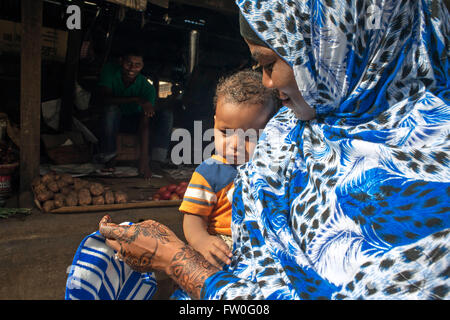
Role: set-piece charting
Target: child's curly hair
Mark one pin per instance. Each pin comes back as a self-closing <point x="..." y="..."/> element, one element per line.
<point x="246" y="87"/>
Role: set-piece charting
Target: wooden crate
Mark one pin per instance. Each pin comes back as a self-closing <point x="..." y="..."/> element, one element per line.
<point x="128" y="147"/>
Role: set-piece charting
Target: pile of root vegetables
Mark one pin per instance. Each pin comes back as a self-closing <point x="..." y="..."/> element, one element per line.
<point x="171" y="192"/>
<point x="55" y="191"/>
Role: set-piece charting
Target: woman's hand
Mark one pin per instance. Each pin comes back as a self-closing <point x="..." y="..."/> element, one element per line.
<point x="149" y="246"/>
<point x="144" y="246"/>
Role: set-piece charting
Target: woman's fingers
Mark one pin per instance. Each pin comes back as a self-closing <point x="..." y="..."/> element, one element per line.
<point x="111" y="230"/>
<point x="106" y="219"/>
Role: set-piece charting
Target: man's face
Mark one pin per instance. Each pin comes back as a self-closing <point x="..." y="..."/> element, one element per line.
<point x="131" y="66"/>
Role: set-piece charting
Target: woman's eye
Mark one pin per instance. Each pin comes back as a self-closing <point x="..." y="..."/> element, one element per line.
<point x="268" y="67"/>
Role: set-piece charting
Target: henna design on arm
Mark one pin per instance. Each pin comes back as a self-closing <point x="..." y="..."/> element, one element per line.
<point x="142" y="263"/>
<point x="153" y="229"/>
<point x="151" y="246"/>
<point x="190" y="270"/>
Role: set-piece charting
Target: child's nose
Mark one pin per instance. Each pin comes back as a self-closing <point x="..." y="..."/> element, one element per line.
<point x="234" y="143"/>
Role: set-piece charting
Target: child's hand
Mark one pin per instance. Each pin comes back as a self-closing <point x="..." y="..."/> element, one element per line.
<point x="215" y="250"/>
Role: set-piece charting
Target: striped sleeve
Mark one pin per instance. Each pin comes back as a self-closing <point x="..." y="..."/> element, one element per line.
<point x="199" y="198"/>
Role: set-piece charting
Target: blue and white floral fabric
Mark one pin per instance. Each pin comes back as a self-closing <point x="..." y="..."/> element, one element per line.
<point x="354" y="204"/>
<point x="95" y="274"/>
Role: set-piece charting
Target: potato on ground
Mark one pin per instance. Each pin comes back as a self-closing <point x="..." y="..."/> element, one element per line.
<point x="48" y="205"/>
<point x="84" y="197"/>
<point x="44" y="195"/>
<point x="53" y="186"/>
<point x="98" y="200"/>
<point x="60" y="200"/>
<point x="61" y="183"/>
<point x="40" y="188"/>
<point x="79" y="184"/>
<point x="72" y="199"/>
<point x="65" y="190"/>
<point x="120" y="197"/>
<point x="67" y="178"/>
<point x="96" y="189"/>
<point x="46" y="178"/>
<point x="109" y="197"/>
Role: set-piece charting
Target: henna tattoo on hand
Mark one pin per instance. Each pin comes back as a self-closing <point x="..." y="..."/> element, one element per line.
<point x="152" y="229"/>
<point x="190" y="270"/>
<point x="150" y="245"/>
<point x="142" y="263"/>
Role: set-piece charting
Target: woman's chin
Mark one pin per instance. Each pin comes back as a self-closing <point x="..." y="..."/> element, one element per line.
<point x="302" y="112"/>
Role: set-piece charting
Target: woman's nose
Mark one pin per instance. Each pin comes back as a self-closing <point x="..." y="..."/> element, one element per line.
<point x="267" y="80"/>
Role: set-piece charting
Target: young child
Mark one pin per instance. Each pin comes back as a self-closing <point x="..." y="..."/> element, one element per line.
<point x="242" y="104"/>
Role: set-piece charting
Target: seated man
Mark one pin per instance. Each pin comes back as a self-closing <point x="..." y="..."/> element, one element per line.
<point x="128" y="99"/>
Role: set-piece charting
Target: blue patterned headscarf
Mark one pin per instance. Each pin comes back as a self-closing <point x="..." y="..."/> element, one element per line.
<point x="353" y="204"/>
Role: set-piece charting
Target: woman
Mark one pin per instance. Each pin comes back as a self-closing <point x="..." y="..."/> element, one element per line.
<point x="347" y="193"/>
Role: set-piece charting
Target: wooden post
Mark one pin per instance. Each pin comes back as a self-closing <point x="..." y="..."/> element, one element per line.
<point x="30" y="97"/>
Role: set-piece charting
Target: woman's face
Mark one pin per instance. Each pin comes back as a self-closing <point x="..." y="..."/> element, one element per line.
<point x="277" y="74"/>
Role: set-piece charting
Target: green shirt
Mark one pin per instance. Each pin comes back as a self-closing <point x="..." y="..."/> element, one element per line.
<point x="111" y="77"/>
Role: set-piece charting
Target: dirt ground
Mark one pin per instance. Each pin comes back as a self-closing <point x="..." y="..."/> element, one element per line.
<point x="36" y="250"/>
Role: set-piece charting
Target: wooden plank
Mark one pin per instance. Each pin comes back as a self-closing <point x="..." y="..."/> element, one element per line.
<point x="118" y="206"/>
<point x="30" y="97"/>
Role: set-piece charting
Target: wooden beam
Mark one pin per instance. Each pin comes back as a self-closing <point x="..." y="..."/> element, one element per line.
<point x="225" y="6"/>
<point x="30" y="97"/>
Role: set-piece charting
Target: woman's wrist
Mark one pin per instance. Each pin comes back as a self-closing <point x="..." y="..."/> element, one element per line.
<point x="189" y="269"/>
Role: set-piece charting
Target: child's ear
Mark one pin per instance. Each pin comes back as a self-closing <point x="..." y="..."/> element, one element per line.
<point x="214" y="117"/>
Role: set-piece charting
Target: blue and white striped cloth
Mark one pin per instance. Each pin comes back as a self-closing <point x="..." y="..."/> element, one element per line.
<point x="95" y="274"/>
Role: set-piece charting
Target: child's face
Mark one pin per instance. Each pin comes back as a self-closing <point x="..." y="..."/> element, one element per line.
<point x="236" y="129"/>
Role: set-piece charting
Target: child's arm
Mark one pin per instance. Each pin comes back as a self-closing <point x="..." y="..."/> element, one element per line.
<point x="211" y="247"/>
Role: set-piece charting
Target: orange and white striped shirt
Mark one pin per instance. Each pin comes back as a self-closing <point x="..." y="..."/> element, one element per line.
<point x="210" y="192"/>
